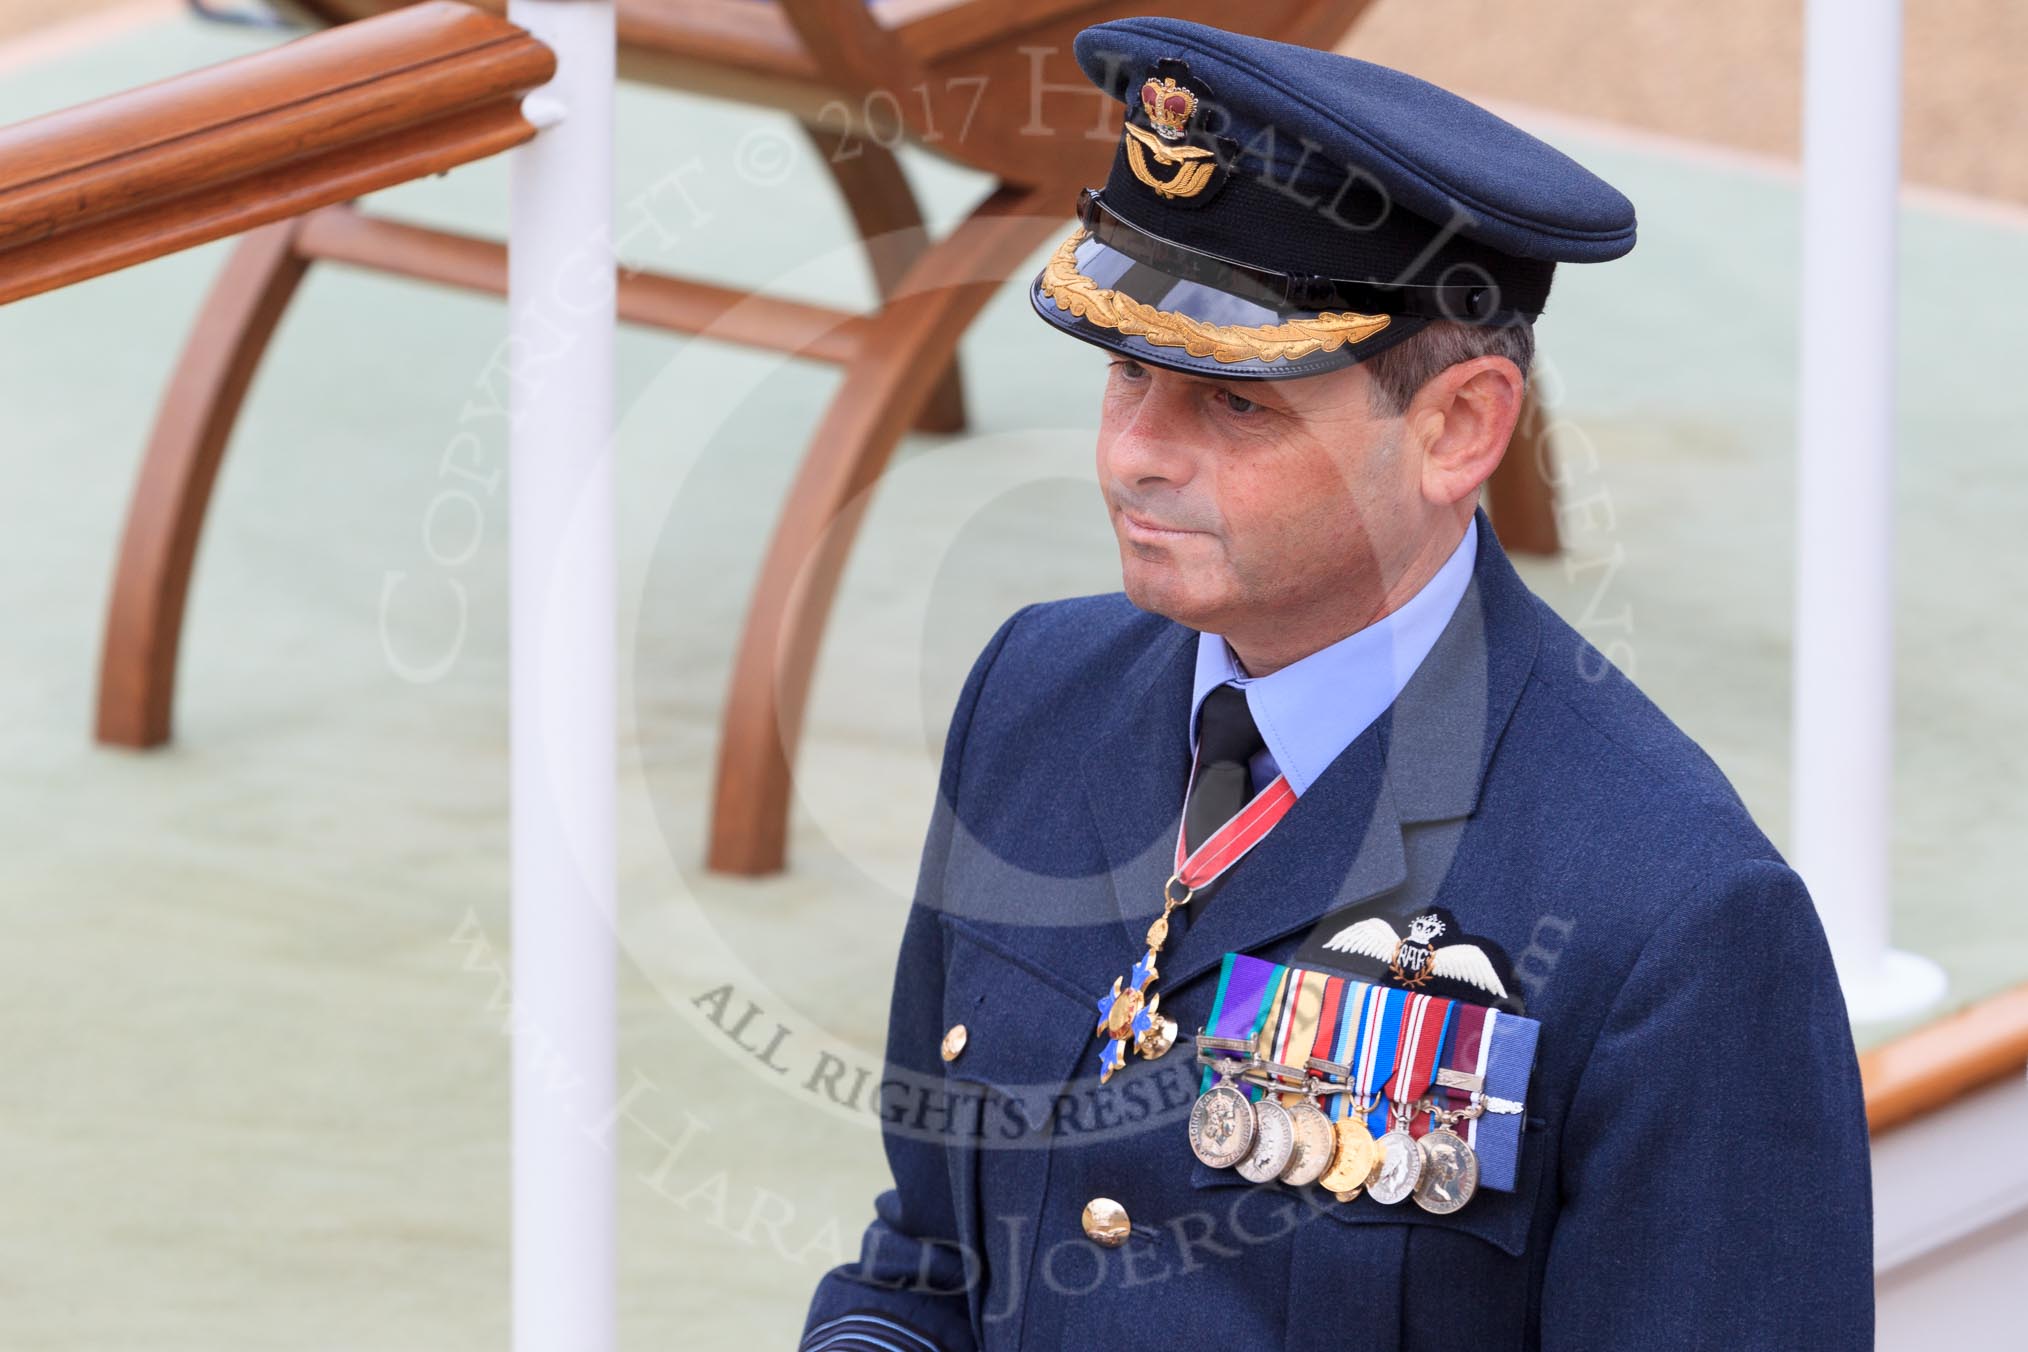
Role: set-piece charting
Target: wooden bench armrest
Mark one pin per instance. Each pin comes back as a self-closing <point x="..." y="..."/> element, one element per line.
<point x="199" y="156"/>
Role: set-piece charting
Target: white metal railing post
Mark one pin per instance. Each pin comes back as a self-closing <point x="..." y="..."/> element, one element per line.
<point x="562" y="674"/>
<point x="1844" y="622"/>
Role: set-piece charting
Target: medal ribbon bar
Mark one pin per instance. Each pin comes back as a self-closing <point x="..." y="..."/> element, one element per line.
<point x="1322" y="1036"/>
<point x="1353" y="1003"/>
<point x="1509" y="1058"/>
<point x="1296" y="1028"/>
<point x="1379" y="1039"/>
<point x="1464" y="1059"/>
<point x="1248" y="989"/>
<point x="1427" y="1121"/>
<point x="1422" y="1024"/>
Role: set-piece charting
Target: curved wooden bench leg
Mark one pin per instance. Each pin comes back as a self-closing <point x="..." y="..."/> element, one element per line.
<point x="1521" y="495"/>
<point x="144" y="621"/>
<point x="901" y="361"/>
<point x="890" y="225"/>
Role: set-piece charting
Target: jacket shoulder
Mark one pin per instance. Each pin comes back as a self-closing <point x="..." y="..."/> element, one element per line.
<point x="1077" y="630"/>
<point x="1643" y="770"/>
<point x="1068" y="658"/>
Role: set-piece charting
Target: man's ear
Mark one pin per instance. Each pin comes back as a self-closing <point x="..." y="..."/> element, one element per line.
<point x="1463" y="416"/>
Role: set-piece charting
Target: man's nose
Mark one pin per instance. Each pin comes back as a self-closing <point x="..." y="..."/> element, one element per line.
<point x="1156" y="440"/>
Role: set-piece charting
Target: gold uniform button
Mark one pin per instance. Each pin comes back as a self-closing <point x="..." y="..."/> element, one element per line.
<point x="954" y="1042"/>
<point x="1105" y="1222"/>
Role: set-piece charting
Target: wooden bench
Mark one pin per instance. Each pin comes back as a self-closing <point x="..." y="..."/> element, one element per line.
<point x="990" y="84"/>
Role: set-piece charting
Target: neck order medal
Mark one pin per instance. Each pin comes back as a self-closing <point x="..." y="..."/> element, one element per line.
<point x="1128" y="1012"/>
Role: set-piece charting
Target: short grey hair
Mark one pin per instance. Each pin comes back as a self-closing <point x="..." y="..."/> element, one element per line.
<point x="1403" y="369"/>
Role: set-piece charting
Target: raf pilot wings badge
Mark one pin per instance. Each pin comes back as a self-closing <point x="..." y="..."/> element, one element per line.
<point x="1423" y="950"/>
<point x="1414" y="960"/>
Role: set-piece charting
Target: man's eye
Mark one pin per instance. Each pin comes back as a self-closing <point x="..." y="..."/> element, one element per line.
<point x="1238" y="403"/>
<point x="1128" y="369"/>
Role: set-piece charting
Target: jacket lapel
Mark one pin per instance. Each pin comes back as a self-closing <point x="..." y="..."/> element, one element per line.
<point x="1341" y="844"/>
<point x="1134" y="776"/>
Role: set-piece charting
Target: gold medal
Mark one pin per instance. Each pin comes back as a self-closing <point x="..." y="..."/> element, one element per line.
<point x="1353" y="1161"/>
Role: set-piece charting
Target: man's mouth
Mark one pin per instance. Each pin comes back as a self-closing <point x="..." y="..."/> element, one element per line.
<point x="1141" y="526"/>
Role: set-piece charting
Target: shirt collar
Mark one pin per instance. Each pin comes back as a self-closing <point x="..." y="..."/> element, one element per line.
<point x="1312" y="709"/>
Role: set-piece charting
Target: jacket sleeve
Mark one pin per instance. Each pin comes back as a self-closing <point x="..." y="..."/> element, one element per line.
<point x="909" y="1290"/>
<point x="1717" y="1186"/>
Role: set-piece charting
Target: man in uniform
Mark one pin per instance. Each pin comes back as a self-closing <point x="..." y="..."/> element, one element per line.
<point x="1328" y="741"/>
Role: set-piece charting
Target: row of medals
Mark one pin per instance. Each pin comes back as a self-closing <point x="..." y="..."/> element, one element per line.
<point x="1301" y="1144"/>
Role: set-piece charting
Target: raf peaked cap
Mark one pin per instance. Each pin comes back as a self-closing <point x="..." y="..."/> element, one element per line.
<point x="1275" y="211"/>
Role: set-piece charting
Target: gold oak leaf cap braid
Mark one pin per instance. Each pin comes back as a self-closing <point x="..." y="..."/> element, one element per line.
<point x="1291" y="340"/>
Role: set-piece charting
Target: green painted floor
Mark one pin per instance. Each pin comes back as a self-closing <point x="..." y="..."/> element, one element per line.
<point x="251" y="1007"/>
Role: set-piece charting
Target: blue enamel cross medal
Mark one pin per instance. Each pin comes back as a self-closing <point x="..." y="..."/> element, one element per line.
<point x="1126" y="1013"/>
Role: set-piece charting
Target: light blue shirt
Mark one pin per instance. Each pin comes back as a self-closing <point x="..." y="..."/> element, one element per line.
<point x="1312" y="709"/>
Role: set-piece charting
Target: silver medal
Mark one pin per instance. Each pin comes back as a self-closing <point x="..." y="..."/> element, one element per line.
<point x="1274" y="1136"/>
<point x="1316" y="1144"/>
<point x="1400" y="1167"/>
<point x="1221" y="1125"/>
<point x="1450" y="1172"/>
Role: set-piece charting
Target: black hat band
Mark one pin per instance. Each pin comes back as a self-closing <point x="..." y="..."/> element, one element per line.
<point x="1471" y="302"/>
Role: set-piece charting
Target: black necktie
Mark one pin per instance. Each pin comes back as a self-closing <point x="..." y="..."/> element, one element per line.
<point x="1226" y="741"/>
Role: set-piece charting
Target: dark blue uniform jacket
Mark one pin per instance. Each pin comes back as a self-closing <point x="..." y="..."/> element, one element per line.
<point x="1693" y="1171"/>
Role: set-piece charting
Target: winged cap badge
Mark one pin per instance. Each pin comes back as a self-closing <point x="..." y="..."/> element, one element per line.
<point x="1160" y="154"/>
<point x="1414" y="960"/>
